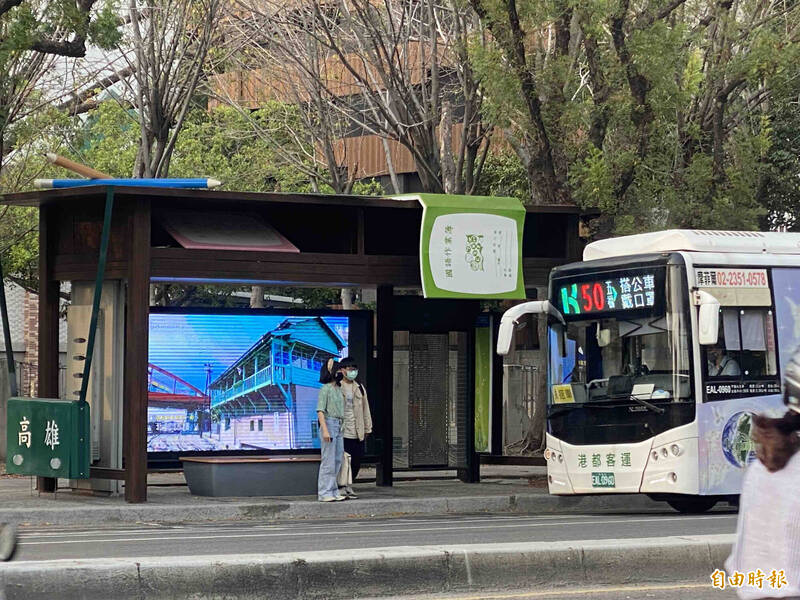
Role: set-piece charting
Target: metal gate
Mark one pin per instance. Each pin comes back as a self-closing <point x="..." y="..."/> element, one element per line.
<point x="429" y="359"/>
<point x="522" y="385"/>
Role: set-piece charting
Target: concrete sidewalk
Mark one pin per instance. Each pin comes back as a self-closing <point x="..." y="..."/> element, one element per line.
<point x="373" y="572"/>
<point x="502" y="489"/>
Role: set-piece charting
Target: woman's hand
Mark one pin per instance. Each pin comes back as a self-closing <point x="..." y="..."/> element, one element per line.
<point x="326" y="436"/>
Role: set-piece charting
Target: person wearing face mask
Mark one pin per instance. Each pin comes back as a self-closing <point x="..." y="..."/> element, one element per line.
<point x="357" y="423"/>
<point x="330" y="413"/>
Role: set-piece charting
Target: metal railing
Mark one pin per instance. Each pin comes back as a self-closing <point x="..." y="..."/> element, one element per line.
<point x="27" y="376"/>
<point x="256" y="380"/>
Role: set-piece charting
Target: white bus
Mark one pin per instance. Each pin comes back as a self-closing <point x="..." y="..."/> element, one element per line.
<point x="661" y="347"/>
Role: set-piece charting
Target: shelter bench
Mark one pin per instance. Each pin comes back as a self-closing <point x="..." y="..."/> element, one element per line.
<point x="251" y="475"/>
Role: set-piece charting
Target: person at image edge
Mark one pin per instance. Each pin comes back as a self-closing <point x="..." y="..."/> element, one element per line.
<point x="768" y="531"/>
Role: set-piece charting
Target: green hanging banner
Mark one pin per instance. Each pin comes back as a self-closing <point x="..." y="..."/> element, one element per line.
<point x="483" y="384"/>
<point x="470" y="246"/>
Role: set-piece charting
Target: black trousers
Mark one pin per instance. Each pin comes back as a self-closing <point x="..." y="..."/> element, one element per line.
<point x="355" y="449"/>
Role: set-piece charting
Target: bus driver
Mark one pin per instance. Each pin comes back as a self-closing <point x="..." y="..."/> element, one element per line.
<point x="721" y="364"/>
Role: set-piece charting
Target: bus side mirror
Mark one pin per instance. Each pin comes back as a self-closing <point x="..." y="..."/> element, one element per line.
<point x="510" y="321"/>
<point x="707" y="319"/>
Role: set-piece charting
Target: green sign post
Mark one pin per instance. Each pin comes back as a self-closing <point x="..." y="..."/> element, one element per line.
<point x="48" y="438"/>
<point x="471" y="246"/>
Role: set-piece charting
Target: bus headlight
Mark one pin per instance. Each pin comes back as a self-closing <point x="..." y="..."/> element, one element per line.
<point x="676" y="449"/>
<point x="547" y="454"/>
<point x="654" y="455"/>
<point x="664" y="452"/>
<point x="673" y="477"/>
<point x="561" y="458"/>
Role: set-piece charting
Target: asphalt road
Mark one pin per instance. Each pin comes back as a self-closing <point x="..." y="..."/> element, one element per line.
<point x="47" y="543"/>
<point x="678" y="591"/>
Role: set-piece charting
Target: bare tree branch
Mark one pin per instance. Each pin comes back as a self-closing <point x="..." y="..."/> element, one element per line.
<point x="77" y="101"/>
<point x="171" y="40"/>
<point x="381" y="68"/>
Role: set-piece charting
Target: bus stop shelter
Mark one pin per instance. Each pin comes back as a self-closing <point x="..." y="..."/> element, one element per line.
<point x="343" y="241"/>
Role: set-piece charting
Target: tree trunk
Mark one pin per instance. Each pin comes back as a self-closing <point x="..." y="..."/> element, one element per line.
<point x="347" y="298"/>
<point x="446" y="144"/>
<point x="257" y="296"/>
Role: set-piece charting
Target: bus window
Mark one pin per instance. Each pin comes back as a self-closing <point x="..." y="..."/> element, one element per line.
<point x="746" y="347"/>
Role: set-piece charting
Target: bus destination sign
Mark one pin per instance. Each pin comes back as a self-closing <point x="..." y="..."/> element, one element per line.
<point x="732" y="278"/>
<point x="626" y="291"/>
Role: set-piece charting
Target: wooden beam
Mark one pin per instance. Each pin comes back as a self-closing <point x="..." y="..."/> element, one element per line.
<point x="574" y="249"/>
<point x="282" y="267"/>
<point x="203" y="198"/>
<point x="361" y="233"/>
<point x="385" y="316"/>
<point x="83" y="267"/>
<point x="106" y="473"/>
<point x="134" y="431"/>
<point x="48" y="322"/>
<point x="279" y="267"/>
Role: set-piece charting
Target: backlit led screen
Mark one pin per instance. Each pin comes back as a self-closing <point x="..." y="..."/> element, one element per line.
<point x="221" y="382"/>
<point x="608" y="293"/>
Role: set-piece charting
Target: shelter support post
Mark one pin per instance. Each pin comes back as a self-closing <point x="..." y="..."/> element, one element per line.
<point x="497" y="391"/>
<point x="48" y="322"/>
<point x="385" y="335"/>
<point x="470" y="473"/>
<point x="134" y="433"/>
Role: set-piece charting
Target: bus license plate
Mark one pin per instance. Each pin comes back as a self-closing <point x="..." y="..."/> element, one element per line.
<point x="603" y="480"/>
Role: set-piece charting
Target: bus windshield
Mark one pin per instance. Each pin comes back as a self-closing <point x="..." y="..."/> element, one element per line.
<point x="624" y="356"/>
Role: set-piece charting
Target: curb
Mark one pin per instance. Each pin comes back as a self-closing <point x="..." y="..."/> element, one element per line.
<point x="273" y="510"/>
<point x="364" y="573"/>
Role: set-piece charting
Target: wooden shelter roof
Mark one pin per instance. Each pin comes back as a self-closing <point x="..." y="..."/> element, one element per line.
<point x="168" y="196"/>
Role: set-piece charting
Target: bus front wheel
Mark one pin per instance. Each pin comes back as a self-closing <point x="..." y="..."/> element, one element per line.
<point x="693" y="505"/>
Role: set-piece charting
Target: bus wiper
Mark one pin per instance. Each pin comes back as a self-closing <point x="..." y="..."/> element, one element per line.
<point x="657" y="409"/>
<point x="562" y="410"/>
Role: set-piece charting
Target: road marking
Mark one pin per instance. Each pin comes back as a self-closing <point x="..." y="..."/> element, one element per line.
<point x="309" y="529"/>
<point x="573" y="592"/>
<point x="338" y="532"/>
<point x="542" y="520"/>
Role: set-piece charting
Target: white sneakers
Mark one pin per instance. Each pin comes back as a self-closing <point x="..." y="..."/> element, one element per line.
<point x="333" y="498"/>
<point x="343" y="493"/>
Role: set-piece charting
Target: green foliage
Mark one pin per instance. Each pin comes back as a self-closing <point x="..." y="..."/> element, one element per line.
<point x="679" y="170"/>
<point x="779" y="191"/>
<point x="19" y="244"/>
<point x="312" y="297"/>
<point x="58" y="20"/>
<point x="220" y="143"/>
<point x="504" y="175"/>
<point x="592" y="181"/>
